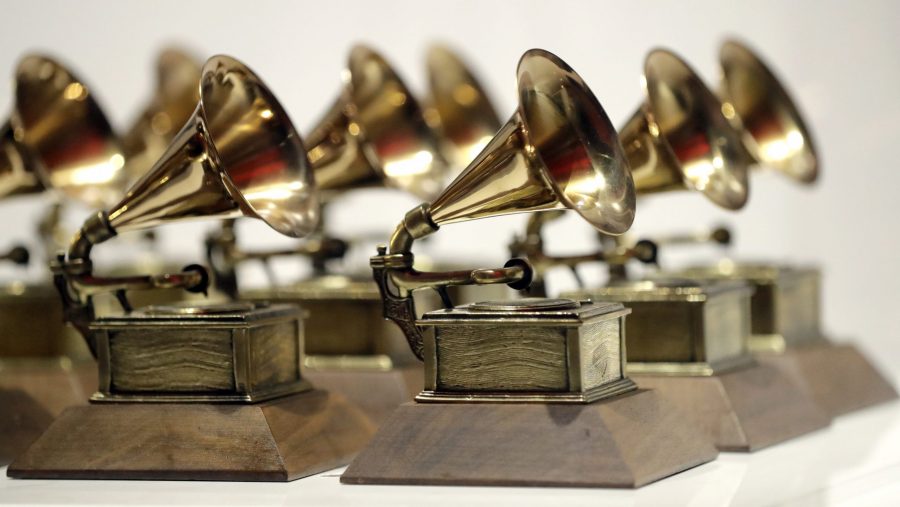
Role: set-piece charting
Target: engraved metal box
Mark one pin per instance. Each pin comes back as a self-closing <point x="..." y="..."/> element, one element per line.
<point x="239" y="352"/>
<point x="785" y="309"/>
<point x="683" y="327"/>
<point x="525" y="350"/>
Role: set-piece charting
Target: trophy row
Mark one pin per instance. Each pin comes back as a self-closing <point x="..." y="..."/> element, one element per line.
<point x="410" y="371"/>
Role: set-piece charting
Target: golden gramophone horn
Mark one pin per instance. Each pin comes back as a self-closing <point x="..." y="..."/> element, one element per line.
<point x="458" y="107"/>
<point x="375" y="134"/>
<point x="679" y="138"/>
<point x="557" y="151"/>
<point x="238" y="155"/>
<point x="57" y="137"/>
<point x="775" y="134"/>
<point x="173" y="102"/>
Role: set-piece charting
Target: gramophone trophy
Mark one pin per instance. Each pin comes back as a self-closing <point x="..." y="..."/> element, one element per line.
<point x="686" y="338"/>
<point x="374" y="135"/>
<point x="209" y="392"/>
<point x="513" y="389"/>
<point x="785" y="323"/>
<point x="56" y="140"/>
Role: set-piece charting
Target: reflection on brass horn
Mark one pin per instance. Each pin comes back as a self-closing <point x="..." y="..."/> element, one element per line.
<point x="375" y="134"/>
<point x="458" y="107"/>
<point x="775" y="134"/>
<point x="558" y="151"/>
<point x="238" y="155"/>
<point x="679" y="138"/>
<point x="174" y="100"/>
<point x="58" y="138"/>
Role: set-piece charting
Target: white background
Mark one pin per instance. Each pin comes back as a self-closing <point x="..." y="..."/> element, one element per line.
<point x="840" y="59"/>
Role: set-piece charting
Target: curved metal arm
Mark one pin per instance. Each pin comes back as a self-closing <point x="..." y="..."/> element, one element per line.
<point x="718" y="235"/>
<point x="74" y="279"/>
<point x="396" y="278"/>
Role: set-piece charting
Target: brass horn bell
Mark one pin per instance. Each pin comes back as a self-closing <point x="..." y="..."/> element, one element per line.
<point x="174" y="100"/>
<point x="679" y="137"/>
<point x="58" y="138"/>
<point x="756" y="102"/>
<point x="375" y="134"/>
<point x="238" y="155"/>
<point x="457" y="107"/>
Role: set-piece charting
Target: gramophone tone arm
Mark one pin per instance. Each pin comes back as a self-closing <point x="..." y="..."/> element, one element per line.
<point x="192" y="279"/>
<point x="719" y="235"/>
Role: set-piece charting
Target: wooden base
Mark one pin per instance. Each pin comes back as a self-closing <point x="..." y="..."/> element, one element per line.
<point x="377" y="393"/>
<point x="33" y="392"/>
<point x="837" y="376"/>
<point x="278" y="440"/>
<point x="745" y="409"/>
<point x="627" y="441"/>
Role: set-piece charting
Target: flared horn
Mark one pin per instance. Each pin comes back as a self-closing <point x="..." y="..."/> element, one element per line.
<point x="238" y="155"/>
<point x="375" y="134"/>
<point x="680" y="139"/>
<point x="558" y="151"/>
<point x="57" y="137"/>
<point x="756" y="102"/>
<point x="457" y="107"/>
<point x="174" y="100"/>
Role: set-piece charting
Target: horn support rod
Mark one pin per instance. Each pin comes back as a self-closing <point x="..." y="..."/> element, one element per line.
<point x="397" y="278"/>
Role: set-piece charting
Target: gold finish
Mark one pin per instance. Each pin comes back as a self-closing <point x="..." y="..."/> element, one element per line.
<point x="238" y="155"/>
<point x="558" y="151"/>
<point x="173" y="103"/>
<point x="458" y="107"/>
<point x="58" y="138"/>
<point x="679" y="137"/>
<point x="756" y="102"/>
<point x="375" y="134"/>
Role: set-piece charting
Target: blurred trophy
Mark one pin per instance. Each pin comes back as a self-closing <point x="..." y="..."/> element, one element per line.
<point x="56" y="141"/>
<point x="199" y="392"/>
<point x="785" y="315"/>
<point x="689" y="339"/>
<point x="514" y="388"/>
<point x="375" y="135"/>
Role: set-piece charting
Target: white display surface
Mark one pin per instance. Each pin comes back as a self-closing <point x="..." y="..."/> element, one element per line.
<point x="854" y="462"/>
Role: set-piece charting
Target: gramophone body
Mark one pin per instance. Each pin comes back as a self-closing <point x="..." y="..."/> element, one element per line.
<point x="208" y="392"/>
<point x="513" y="389"/>
<point x="56" y="140"/>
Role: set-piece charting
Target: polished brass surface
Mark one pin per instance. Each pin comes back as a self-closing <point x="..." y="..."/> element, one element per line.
<point x="174" y="101"/>
<point x="58" y="138"/>
<point x="225" y="354"/>
<point x="458" y="107"/>
<point x="774" y="132"/>
<point x="679" y="138"/>
<point x="375" y="134"/>
<point x="238" y="155"/>
<point x="527" y="350"/>
<point x="558" y="151"/>
<point x="680" y="327"/>
<point x="785" y="308"/>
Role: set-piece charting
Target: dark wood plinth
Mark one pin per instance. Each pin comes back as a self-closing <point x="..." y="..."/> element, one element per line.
<point x="837" y="376"/>
<point x="377" y="393"/>
<point x="33" y="392"/>
<point x="627" y="441"/>
<point x="742" y="410"/>
<point x="278" y="440"/>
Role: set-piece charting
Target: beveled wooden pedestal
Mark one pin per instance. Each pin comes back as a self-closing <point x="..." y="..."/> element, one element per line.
<point x="624" y="442"/>
<point x="837" y="376"/>
<point x="33" y="392"/>
<point x="745" y="409"/>
<point x="278" y="440"/>
<point x="377" y="393"/>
